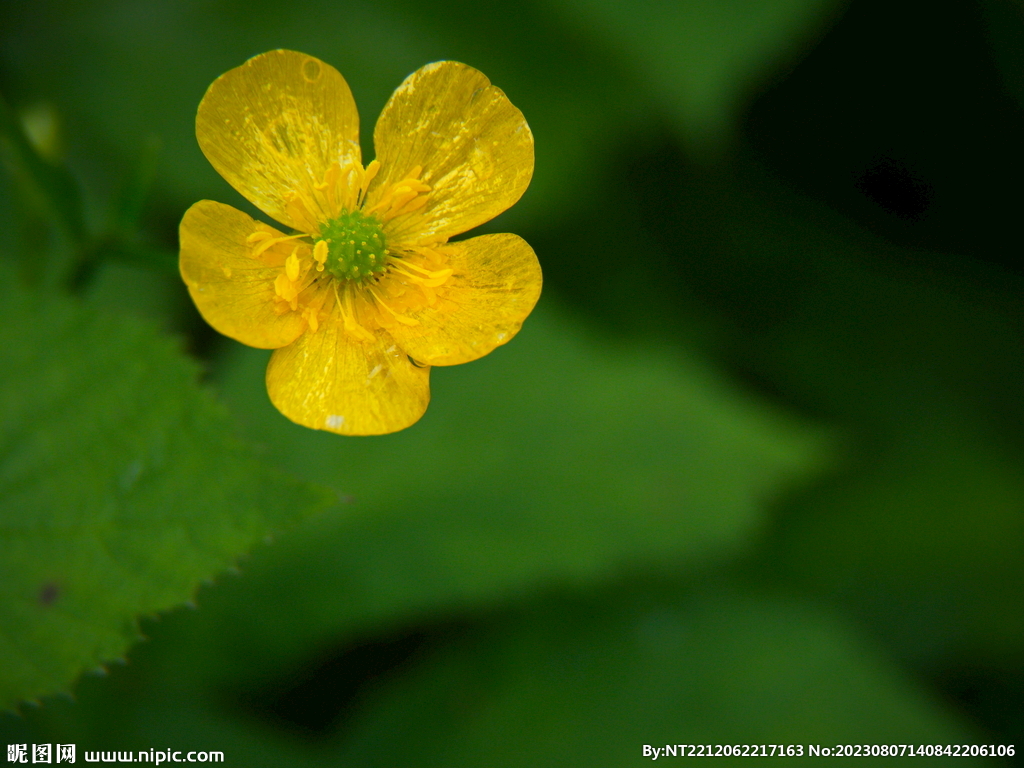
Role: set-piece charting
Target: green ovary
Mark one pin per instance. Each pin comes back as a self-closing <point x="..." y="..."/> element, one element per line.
<point x="355" y="246"/>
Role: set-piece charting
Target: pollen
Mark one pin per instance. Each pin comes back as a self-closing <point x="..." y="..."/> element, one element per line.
<point x="352" y="246"/>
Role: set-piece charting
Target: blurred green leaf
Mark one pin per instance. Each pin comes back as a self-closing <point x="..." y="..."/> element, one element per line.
<point x="920" y="535"/>
<point x="47" y="187"/>
<point x="140" y="291"/>
<point x="704" y="57"/>
<point x="127" y="207"/>
<point x="926" y="542"/>
<point x="554" y="460"/>
<point x="588" y="683"/>
<point x="568" y="681"/>
<point x="120" y="488"/>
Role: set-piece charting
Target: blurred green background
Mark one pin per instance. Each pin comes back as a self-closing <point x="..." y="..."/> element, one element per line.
<point x="752" y="473"/>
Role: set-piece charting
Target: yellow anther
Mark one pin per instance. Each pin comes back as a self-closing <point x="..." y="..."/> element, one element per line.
<point x="291" y="266"/>
<point x="320" y="251"/>
<point x="266" y="243"/>
<point x="442" y="274"/>
<point x="434" y="280"/>
<point x="402" y="196"/>
<point x="415" y="204"/>
<point x="368" y="173"/>
<point x="310" y="315"/>
<point x="352" y="327"/>
<point x="330" y="180"/>
<point x="285" y="288"/>
<point x="259" y="234"/>
<point x="400" y="318"/>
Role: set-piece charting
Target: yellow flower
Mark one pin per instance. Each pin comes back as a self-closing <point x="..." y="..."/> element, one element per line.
<point x="364" y="292"/>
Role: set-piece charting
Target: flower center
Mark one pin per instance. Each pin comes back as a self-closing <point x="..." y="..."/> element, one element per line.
<point x="352" y="246"/>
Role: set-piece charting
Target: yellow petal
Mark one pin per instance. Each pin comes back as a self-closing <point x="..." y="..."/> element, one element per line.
<point x="495" y="284"/>
<point x="328" y="380"/>
<point x="474" y="147"/>
<point x="274" y="126"/>
<point x="233" y="291"/>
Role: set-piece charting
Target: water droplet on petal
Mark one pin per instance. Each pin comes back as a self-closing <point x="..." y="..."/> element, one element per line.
<point x="311" y="70"/>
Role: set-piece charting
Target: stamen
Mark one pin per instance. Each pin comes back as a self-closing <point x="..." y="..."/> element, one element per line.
<point x="296" y="208"/>
<point x="320" y="251"/>
<point x="330" y="178"/>
<point x="414" y="205"/>
<point x="431" y="282"/>
<point x="368" y="173"/>
<point x="266" y="243"/>
<point x="310" y="316"/>
<point x="402" y="196"/>
<point x="291" y="266"/>
<point x="400" y="318"/>
<point x="348" y="317"/>
<point x="333" y="191"/>
<point x="381" y="204"/>
<point x="441" y="273"/>
<point x="429" y="253"/>
<point x="286" y="289"/>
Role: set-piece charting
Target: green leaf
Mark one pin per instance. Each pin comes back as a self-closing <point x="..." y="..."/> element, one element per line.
<point x="704" y="57"/>
<point x="48" y="187"/>
<point x="567" y="681"/>
<point x="554" y="460"/>
<point x="120" y="488"/>
<point x="926" y="543"/>
<point x="584" y="683"/>
<point x="921" y="534"/>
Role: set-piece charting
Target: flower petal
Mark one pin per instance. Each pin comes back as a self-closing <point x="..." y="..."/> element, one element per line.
<point x="474" y="147"/>
<point x="233" y="291"/>
<point x="328" y="380"/>
<point x="275" y="126"/>
<point x="495" y="284"/>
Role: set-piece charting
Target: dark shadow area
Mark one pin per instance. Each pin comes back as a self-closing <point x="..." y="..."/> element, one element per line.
<point x="906" y="127"/>
<point x="313" y="701"/>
